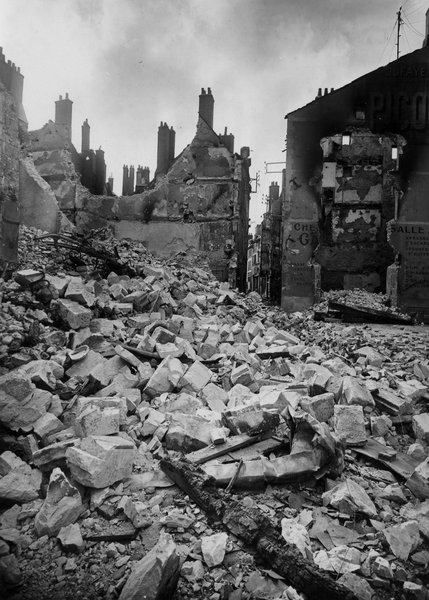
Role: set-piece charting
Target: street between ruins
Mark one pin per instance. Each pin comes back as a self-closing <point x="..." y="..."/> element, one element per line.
<point x="164" y="436"/>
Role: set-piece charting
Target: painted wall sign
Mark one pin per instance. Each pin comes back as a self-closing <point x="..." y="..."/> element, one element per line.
<point x="407" y="110"/>
<point x="301" y="238"/>
<point x="411" y="240"/>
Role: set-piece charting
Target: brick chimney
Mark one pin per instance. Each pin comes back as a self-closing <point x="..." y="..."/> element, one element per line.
<point x="85" y="136"/>
<point x="163" y="154"/>
<point x="63" y="114"/>
<point x="206" y="106"/>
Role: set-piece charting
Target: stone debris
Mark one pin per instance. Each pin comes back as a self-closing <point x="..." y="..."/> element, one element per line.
<point x="349" y="424"/>
<point x="70" y="538"/>
<point x="213" y="548"/>
<point x="155" y="575"/>
<point x="350" y="498"/>
<point x="403" y="538"/>
<point x="100" y="461"/>
<point x="62" y="505"/>
<point x="103" y="374"/>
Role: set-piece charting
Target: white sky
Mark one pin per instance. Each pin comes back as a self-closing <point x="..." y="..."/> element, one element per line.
<point x="130" y="64"/>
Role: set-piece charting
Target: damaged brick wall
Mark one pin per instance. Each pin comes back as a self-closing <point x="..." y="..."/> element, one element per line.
<point x="357" y="186"/>
<point x="201" y="203"/>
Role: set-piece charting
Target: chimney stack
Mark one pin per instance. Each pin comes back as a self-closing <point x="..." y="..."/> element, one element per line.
<point x="125" y="180"/>
<point x="171" y="145"/>
<point x="206" y="106"/>
<point x="63" y="114"/>
<point x="85" y="136"/>
<point x="163" y="154"/>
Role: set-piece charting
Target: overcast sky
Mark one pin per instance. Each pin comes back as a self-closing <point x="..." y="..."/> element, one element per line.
<point x="130" y="64"/>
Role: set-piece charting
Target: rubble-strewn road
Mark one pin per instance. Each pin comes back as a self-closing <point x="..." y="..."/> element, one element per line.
<point x="319" y="430"/>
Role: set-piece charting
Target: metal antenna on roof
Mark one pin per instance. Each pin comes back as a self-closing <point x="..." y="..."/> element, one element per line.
<point x="399" y="22"/>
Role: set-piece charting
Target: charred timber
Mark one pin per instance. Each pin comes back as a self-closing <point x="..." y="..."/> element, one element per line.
<point x="257" y="530"/>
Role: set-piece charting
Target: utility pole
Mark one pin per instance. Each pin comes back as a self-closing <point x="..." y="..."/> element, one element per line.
<point x="398" y="35"/>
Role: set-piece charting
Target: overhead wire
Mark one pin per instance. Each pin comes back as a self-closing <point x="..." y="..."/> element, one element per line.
<point x="406" y="37"/>
<point x="387" y="42"/>
<point x="406" y="21"/>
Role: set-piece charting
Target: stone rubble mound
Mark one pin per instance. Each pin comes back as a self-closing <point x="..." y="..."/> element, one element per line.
<point x="322" y="426"/>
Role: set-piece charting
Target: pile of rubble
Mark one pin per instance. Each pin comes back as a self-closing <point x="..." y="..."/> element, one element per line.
<point x="166" y="437"/>
<point x="359" y="306"/>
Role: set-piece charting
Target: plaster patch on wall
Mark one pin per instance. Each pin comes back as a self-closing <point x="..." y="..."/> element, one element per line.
<point x="359" y="225"/>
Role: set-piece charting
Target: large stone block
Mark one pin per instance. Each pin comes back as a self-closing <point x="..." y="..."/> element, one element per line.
<point x="96" y="420"/>
<point x="349" y="424"/>
<point x="62" y="505"/>
<point x="188" y="432"/>
<point x="196" y="377"/>
<point x="320" y="407"/>
<point x="166" y="377"/>
<point x="215" y="397"/>
<point x="421" y="426"/>
<point x="20" y="486"/>
<point x="354" y="392"/>
<point x="100" y="461"/>
<point x="78" y="291"/>
<point x="156" y="575"/>
<point x="21" y="404"/>
<point x="74" y="314"/>
<point x="418" y="483"/>
<point x="403" y="538"/>
<point x="350" y="498"/>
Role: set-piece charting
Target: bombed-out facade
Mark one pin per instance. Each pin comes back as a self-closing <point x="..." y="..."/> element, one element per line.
<point x="357" y="179"/>
<point x="197" y="200"/>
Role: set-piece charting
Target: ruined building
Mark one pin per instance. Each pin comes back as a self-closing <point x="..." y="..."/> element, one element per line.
<point x="92" y="166"/>
<point x="142" y="180"/>
<point x="198" y="200"/>
<point x="54" y="176"/>
<point x="355" y="212"/>
<point x="13" y="130"/>
<point x="264" y="252"/>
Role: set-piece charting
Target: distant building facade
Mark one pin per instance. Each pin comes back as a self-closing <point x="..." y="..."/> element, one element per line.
<point x="264" y="252"/>
<point x="355" y="211"/>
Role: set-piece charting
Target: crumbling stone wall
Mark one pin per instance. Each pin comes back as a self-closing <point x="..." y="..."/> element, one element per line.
<point x="201" y="203"/>
<point x="9" y="163"/>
